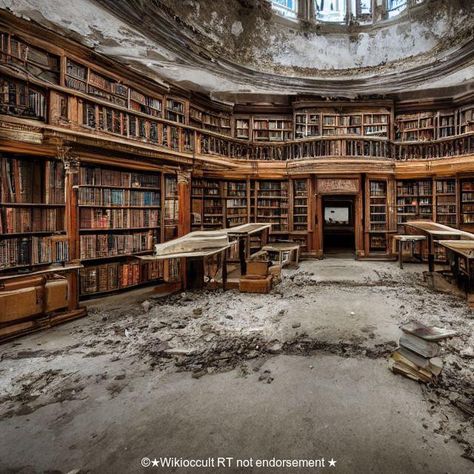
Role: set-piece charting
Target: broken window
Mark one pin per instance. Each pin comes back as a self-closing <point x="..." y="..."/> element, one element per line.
<point x="287" y="8"/>
<point x="395" y="7"/>
<point x="362" y="10"/>
<point x="330" y="10"/>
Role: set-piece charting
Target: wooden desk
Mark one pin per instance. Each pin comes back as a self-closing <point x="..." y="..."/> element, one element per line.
<point x="412" y="239"/>
<point x="243" y="233"/>
<point x="435" y="232"/>
<point x="461" y="259"/>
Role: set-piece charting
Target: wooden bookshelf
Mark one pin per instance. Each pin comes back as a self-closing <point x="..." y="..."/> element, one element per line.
<point x="175" y="110"/>
<point x="414" y="200"/>
<point x="322" y="122"/>
<point x="376" y="125"/>
<point x="446" y="124"/>
<point x="21" y="99"/>
<point x="377" y="225"/>
<point x="307" y="124"/>
<point x="467" y="202"/>
<point x="171" y="207"/>
<point x="446" y="202"/>
<point x="242" y="128"/>
<point x="36" y="61"/>
<point x="208" y="204"/>
<point x="416" y="127"/>
<point x="32" y="213"/>
<point x="300" y="205"/>
<point x="119" y="217"/>
<point x="272" y="129"/>
<point x="271" y="205"/>
<point x="236" y="203"/>
<point x="466" y="119"/>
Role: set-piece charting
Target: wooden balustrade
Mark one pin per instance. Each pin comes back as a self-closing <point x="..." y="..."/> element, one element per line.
<point x="26" y="100"/>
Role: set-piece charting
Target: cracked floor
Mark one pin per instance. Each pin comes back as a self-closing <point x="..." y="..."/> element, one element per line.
<point x="300" y="373"/>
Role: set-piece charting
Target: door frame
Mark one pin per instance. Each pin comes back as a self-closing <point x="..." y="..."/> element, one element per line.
<point x="329" y="185"/>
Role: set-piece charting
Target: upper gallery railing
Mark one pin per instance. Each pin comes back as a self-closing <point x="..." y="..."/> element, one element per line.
<point x="27" y="100"/>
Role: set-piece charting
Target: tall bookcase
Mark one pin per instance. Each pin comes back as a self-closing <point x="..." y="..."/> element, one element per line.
<point x="32" y="213"/>
<point x="271" y="201"/>
<point x="446" y="202"/>
<point x="237" y="204"/>
<point x="300" y="214"/>
<point x="377" y="223"/>
<point x="416" y="127"/>
<point x="119" y="218"/>
<point x="272" y="129"/>
<point x="467" y="202"/>
<point x="208" y="204"/>
<point x="414" y="200"/>
<point x="171" y="207"/>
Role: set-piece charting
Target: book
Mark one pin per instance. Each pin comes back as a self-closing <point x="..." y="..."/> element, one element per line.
<point x="401" y="365"/>
<point x="416" y="344"/>
<point x="428" y="333"/>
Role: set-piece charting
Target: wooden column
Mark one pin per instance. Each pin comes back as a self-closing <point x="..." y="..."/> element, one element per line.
<point x="71" y="169"/>
<point x="359" y="226"/>
<point x="184" y="202"/>
<point x="184" y="216"/>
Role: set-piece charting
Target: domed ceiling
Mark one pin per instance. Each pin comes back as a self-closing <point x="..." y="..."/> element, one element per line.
<point x="231" y="48"/>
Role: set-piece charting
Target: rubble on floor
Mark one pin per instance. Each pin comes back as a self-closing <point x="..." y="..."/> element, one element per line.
<point x="207" y="332"/>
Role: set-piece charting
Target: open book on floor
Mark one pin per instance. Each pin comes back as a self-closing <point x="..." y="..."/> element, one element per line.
<point x="428" y="333"/>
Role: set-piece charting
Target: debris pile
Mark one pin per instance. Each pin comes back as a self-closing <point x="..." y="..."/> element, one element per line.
<point x="417" y="356"/>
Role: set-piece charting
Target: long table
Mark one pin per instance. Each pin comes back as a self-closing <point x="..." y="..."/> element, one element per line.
<point x="461" y="259"/>
<point x="435" y="232"/>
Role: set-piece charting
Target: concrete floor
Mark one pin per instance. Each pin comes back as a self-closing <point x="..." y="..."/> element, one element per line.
<point x="306" y="379"/>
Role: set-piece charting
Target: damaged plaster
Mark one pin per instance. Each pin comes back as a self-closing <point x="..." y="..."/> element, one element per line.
<point x="238" y="46"/>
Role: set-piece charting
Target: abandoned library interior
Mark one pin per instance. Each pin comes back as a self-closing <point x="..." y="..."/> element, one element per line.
<point x="237" y="236"/>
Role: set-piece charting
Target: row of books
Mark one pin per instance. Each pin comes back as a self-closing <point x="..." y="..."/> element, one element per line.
<point x="92" y="218"/>
<point x="31" y="181"/>
<point x="117" y="275"/>
<point x="24" y="251"/>
<point x="118" y="197"/>
<point x="281" y="203"/>
<point x="31" y="219"/>
<point x="94" y="176"/>
<point x="106" y="245"/>
<point x="109" y="277"/>
<point x="414" y="188"/>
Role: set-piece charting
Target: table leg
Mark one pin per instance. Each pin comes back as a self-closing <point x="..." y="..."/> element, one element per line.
<point x="224" y="270"/>
<point x="431" y="257"/>
<point x="400" y="253"/>
<point x="242" y="255"/>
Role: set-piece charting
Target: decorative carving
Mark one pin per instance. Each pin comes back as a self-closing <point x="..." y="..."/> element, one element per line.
<point x="184" y="176"/>
<point x="20" y="132"/>
<point x="71" y="161"/>
<point x="337" y="186"/>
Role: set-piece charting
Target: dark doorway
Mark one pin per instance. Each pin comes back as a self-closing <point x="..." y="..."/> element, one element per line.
<point x="338" y="224"/>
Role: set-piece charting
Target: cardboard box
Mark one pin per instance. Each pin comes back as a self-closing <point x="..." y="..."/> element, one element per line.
<point x="17" y="304"/>
<point x="56" y="295"/>
<point x="252" y="285"/>
<point x="257" y="268"/>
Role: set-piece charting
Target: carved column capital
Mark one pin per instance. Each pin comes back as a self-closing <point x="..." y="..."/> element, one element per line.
<point x="184" y="176"/>
<point x="70" y="160"/>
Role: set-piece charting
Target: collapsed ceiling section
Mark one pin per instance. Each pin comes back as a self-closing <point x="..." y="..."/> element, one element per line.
<point x="232" y="48"/>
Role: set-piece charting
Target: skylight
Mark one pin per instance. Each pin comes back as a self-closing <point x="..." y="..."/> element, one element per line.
<point x="286" y="8"/>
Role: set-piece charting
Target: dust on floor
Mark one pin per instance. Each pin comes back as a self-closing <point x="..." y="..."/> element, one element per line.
<point x="339" y="308"/>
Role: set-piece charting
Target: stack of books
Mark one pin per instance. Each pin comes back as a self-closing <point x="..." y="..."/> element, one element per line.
<point x="418" y="354"/>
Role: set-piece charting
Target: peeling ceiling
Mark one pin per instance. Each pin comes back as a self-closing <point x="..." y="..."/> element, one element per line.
<point x="234" y="47"/>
